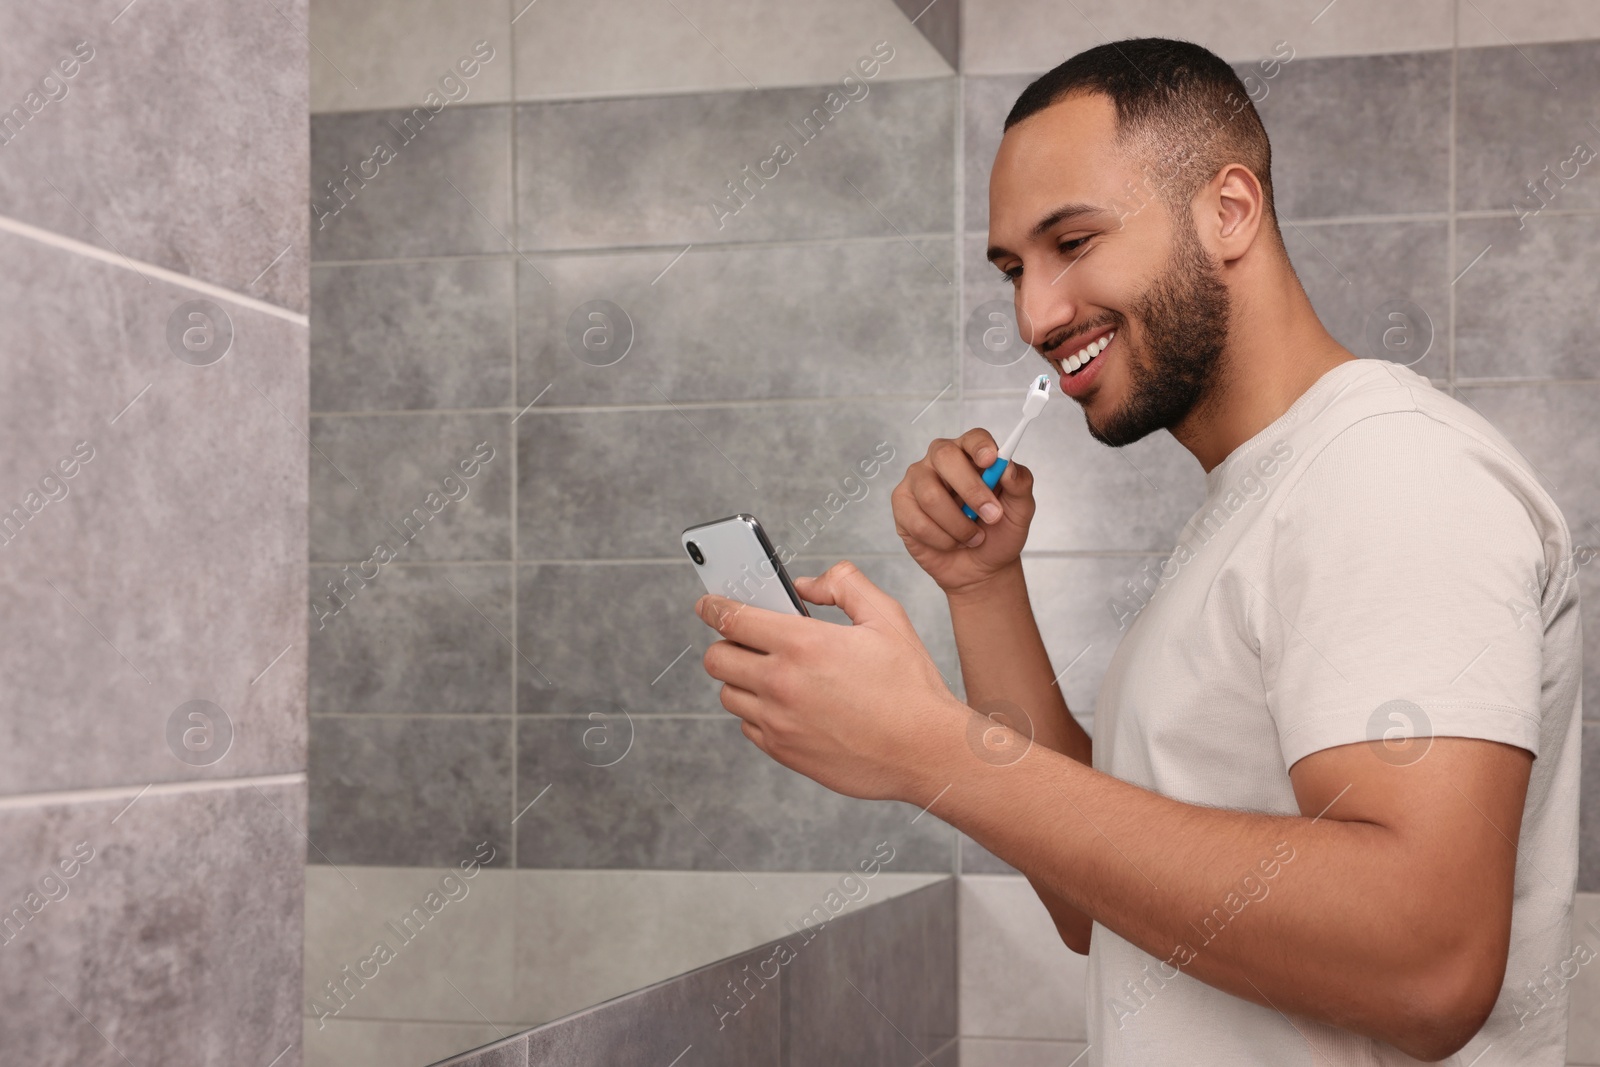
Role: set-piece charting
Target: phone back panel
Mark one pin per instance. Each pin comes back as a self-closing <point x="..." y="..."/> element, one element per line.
<point x="738" y="564"/>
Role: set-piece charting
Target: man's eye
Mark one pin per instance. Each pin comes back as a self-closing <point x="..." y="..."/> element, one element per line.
<point x="1072" y="245"/>
<point x="1011" y="275"/>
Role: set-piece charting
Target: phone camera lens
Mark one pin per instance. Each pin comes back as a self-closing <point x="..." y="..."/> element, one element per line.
<point x="694" y="552"/>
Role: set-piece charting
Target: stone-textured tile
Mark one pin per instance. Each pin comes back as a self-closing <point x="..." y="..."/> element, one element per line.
<point x="796" y="467"/>
<point x="985" y="103"/>
<point x="399" y="481"/>
<point x="584" y="937"/>
<point x="407" y="642"/>
<point x="170" y="565"/>
<point x="402" y="203"/>
<point x="1520" y="111"/>
<point x="694" y="794"/>
<point x="1018" y="979"/>
<point x="205" y="176"/>
<point x="508" y="1052"/>
<point x="409" y="792"/>
<point x="1492" y="22"/>
<point x="731" y="323"/>
<point x="391" y="1043"/>
<point x="591" y="48"/>
<point x="876" y="987"/>
<point x="1526" y="309"/>
<point x="1589" y="812"/>
<point x="441" y="925"/>
<point x="650" y="170"/>
<point x="177" y="937"/>
<point x="412" y="335"/>
<point x="999" y="1052"/>
<point x="1359" y="135"/>
<point x="1583" y="1018"/>
<point x="1090" y="496"/>
<point x="376" y="55"/>
<point x="656" y="1024"/>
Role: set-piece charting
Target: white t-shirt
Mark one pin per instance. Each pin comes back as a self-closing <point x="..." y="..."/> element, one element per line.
<point x="1378" y="559"/>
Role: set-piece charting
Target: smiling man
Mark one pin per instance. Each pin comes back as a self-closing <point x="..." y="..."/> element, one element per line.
<point x="1329" y="815"/>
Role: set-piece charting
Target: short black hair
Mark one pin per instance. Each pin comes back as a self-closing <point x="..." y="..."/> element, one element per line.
<point x="1181" y="102"/>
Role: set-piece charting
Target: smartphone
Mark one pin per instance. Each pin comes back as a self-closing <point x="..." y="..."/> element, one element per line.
<point x="736" y="560"/>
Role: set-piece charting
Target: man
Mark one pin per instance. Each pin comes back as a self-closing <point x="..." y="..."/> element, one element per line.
<point x="1329" y="815"/>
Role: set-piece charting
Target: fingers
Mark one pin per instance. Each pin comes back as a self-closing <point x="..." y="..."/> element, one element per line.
<point x="845" y="587"/>
<point x="735" y="665"/>
<point x="755" y="628"/>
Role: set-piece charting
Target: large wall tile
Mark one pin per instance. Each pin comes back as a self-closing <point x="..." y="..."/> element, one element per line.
<point x="1521" y="110"/>
<point x="1525" y="310"/>
<point x="377" y="55"/>
<point x="171" y="566"/>
<point x="795" y="467"/>
<point x="695" y="794"/>
<point x="1003" y="1052"/>
<point x="848" y="319"/>
<point x="409" y="207"/>
<point x="409" y="792"/>
<point x="1583" y="1020"/>
<point x="386" y="1043"/>
<point x="1493" y="22"/>
<point x="1017" y="977"/>
<point x="408" y="642"/>
<point x="648" y="170"/>
<point x="205" y="175"/>
<point x="371" y="475"/>
<point x="1589" y="811"/>
<point x="985" y="103"/>
<point x="412" y="335"/>
<point x="178" y="940"/>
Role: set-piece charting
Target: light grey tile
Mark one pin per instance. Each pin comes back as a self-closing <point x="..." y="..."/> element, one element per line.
<point x="1018" y="979"/>
<point x="177" y="936"/>
<point x="169" y="566"/>
<point x="1521" y="110"/>
<point x="1083" y="606"/>
<point x="650" y="170"/>
<point x="732" y="323"/>
<point x="443" y="187"/>
<point x="985" y="102"/>
<point x="1527" y="308"/>
<point x="219" y="194"/>
<point x="1359" y="135"/>
<point x="507" y="1052"/>
<point x="1492" y="22"/>
<point x="425" y="640"/>
<point x="796" y="467"/>
<point x="409" y="792"/>
<point x="391" y="1043"/>
<point x="1583" y="1025"/>
<point x="695" y="794"/>
<point x="875" y="987"/>
<point x="1003" y="1052"/>
<point x="1589" y="812"/>
<point x="399" y="481"/>
<point x="372" y="55"/>
<point x="412" y="335"/>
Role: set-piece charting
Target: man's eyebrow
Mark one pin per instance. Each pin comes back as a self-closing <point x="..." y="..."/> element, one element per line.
<point x="1054" y="218"/>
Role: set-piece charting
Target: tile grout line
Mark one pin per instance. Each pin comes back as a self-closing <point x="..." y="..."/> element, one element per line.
<point x="516" y="292"/>
<point x="124" y="792"/>
<point x="1450" y="243"/>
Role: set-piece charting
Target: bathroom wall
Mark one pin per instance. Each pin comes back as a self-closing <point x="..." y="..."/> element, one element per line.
<point x="153" y="272"/>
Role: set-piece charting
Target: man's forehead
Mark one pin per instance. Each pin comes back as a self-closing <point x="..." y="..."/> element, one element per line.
<point x="1062" y="163"/>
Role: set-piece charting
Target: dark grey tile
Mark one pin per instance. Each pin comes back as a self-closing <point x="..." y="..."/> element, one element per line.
<point x="986" y="100"/>
<point x="1589" y="812"/>
<point x="941" y="26"/>
<point x="877" y="986"/>
<point x="411" y="335"/>
<point x="651" y="170"/>
<point x="732" y="323"/>
<point x="727" y="1012"/>
<point x="510" y="1052"/>
<point x="170" y="566"/>
<point x="384" y="484"/>
<point x="796" y="467"/>
<point x="1521" y="110"/>
<point x="424" y="640"/>
<point x="404" y="792"/>
<point x="1359" y="135"/>
<point x="444" y="190"/>
<point x="1530" y="307"/>
<point x="146" y="941"/>
<point x="206" y="176"/>
<point x="694" y="794"/>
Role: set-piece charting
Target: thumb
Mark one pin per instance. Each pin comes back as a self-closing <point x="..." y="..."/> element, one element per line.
<point x="844" y="586"/>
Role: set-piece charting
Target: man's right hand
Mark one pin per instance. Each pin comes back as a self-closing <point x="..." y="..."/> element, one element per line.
<point x="958" y="553"/>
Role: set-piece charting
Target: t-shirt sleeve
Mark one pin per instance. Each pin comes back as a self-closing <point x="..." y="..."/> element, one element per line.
<point x="1401" y="594"/>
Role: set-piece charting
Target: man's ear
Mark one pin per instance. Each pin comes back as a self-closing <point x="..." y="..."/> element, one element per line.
<point x="1232" y="211"/>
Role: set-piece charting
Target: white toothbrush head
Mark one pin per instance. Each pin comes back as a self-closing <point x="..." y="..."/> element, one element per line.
<point x="1038" y="393"/>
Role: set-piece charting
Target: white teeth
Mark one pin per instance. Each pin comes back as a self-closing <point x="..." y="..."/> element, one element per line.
<point x="1074" y="363"/>
<point x="1088" y="352"/>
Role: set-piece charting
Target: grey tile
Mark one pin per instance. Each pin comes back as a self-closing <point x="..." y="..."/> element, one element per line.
<point x="169" y="568"/>
<point x="1360" y="276"/>
<point x="985" y="102"/>
<point x="942" y="27"/>
<point x="444" y="189"/>
<point x="1521" y="110"/>
<point x="146" y="940"/>
<point x="733" y="323"/>
<point x="391" y="1043"/>
<point x="397" y="481"/>
<point x="1359" y="135"/>
<point x="994" y="353"/>
<point x="507" y="1052"/>
<point x="412" y="335"/>
<point x="206" y="176"/>
<point x="875" y="987"/>
<point x="796" y="467"/>
<point x="1589" y="812"/>
<point x="409" y="792"/>
<point x="1000" y="1052"/>
<point x="1528" y="307"/>
<point x="656" y="1024"/>
<point x="1018" y="979"/>
<point x="407" y="642"/>
<point x="377" y="55"/>
<point x="695" y="794"/>
<point x="650" y="170"/>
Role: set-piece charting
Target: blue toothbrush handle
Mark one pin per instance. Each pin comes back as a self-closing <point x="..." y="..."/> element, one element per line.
<point x="991" y="478"/>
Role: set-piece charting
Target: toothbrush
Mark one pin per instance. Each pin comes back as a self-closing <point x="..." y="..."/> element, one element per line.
<point x="1032" y="404"/>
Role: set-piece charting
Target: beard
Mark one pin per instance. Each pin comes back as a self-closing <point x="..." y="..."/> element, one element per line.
<point x="1184" y="315"/>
